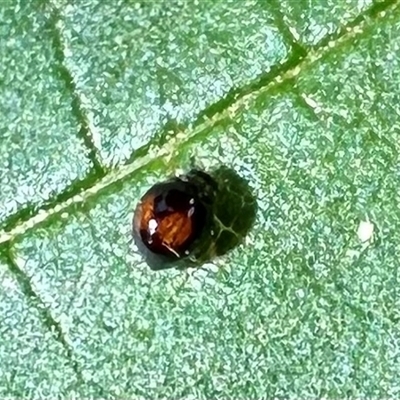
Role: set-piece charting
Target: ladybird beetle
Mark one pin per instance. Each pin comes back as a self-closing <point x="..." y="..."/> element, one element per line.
<point x="190" y="218"/>
<point x="172" y="217"/>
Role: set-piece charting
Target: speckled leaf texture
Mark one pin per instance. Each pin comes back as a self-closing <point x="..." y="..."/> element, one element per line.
<point x="101" y="99"/>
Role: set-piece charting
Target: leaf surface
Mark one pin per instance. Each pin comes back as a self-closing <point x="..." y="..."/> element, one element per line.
<point x="308" y="305"/>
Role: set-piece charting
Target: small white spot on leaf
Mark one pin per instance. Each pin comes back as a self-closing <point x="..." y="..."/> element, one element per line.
<point x="365" y="231"/>
<point x="300" y="293"/>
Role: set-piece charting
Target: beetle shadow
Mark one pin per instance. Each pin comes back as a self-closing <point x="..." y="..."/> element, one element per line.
<point x="235" y="210"/>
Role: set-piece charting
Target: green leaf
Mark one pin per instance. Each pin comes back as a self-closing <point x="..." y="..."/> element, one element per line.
<point x="32" y="359"/>
<point x="40" y="151"/>
<point x="308" y="305"/>
<point x="156" y="65"/>
<point x="314" y="21"/>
